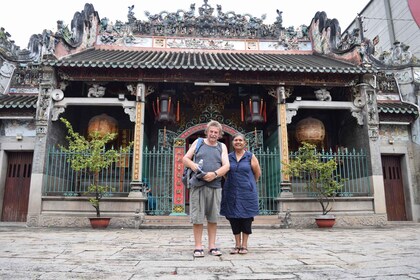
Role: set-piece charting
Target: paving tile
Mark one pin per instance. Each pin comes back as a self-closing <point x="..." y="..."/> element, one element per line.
<point x="66" y="253"/>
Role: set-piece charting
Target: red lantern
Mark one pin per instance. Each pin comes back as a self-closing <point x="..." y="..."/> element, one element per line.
<point x="256" y="106"/>
<point x="164" y="111"/>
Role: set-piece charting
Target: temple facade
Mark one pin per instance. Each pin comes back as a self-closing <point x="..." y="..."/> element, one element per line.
<point x="159" y="81"/>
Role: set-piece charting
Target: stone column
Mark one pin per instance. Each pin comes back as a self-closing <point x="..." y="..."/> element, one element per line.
<point x="283" y="140"/>
<point x="372" y="120"/>
<point x="137" y="186"/>
<point x="40" y="150"/>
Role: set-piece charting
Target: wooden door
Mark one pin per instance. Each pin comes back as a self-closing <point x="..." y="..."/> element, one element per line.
<point x="16" y="193"/>
<point x="394" y="190"/>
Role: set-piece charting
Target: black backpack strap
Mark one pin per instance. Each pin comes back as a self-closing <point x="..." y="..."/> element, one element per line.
<point x="200" y="143"/>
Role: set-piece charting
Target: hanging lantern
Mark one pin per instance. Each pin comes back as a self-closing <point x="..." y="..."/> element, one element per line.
<point x="310" y="130"/>
<point x="256" y="109"/>
<point x="163" y="108"/>
<point x="103" y="124"/>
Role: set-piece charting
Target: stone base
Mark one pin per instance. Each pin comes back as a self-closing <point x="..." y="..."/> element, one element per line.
<point x="349" y="212"/>
<point x="83" y="222"/>
<point x="59" y="211"/>
<point x="343" y="220"/>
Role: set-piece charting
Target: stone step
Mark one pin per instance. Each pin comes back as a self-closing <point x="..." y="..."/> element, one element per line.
<point x="399" y="224"/>
<point x="184" y="222"/>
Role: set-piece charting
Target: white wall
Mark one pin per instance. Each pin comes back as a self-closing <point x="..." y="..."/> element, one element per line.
<point x="390" y="19"/>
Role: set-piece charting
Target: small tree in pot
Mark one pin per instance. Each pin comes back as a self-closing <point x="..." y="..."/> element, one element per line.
<point x="91" y="154"/>
<point x="320" y="176"/>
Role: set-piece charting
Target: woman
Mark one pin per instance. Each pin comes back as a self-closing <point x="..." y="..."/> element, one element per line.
<point x="240" y="194"/>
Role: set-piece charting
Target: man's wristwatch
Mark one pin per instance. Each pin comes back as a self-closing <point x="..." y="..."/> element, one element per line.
<point x="215" y="173"/>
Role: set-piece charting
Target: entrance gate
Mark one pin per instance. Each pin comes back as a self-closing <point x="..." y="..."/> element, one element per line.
<point x="163" y="170"/>
<point x="179" y="192"/>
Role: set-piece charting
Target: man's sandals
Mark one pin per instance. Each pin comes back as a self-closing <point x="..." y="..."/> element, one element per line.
<point x="198" y="253"/>
<point x="215" y="252"/>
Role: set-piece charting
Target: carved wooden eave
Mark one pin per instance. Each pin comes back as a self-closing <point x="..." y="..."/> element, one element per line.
<point x="392" y="108"/>
<point x="191" y="76"/>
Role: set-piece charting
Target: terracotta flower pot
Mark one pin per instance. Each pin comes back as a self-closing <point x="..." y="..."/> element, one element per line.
<point x="325" y="221"/>
<point x="99" y="222"/>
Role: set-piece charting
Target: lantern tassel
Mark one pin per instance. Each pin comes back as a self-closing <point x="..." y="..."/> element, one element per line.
<point x="177" y="111"/>
<point x="169" y="105"/>
<point x="242" y="111"/>
<point x="265" y="111"/>
<point x="154" y="109"/>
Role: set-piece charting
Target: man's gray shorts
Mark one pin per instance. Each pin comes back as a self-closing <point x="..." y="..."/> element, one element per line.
<point x="205" y="203"/>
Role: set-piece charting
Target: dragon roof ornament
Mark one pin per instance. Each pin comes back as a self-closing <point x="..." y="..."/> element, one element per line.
<point x="398" y="56"/>
<point x="329" y="40"/>
<point x="186" y="23"/>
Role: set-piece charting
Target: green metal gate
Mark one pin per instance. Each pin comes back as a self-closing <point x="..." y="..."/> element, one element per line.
<point x="158" y="176"/>
<point x="269" y="183"/>
<point x="158" y="173"/>
<point x="61" y="179"/>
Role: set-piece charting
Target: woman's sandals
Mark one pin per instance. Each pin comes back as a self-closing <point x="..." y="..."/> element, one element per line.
<point x="235" y="251"/>
<point x="243" y="251"/>
<point x="239" y="250"/>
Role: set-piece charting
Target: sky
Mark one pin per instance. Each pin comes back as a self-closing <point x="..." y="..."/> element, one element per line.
<point x="23" y="18"/>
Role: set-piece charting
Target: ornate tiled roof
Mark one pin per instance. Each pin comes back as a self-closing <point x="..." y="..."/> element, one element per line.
<point x="397" y="111"/>
<point x="18" y="101"/>
<point x="241" y="61"/>
<point x="398" y="108"/>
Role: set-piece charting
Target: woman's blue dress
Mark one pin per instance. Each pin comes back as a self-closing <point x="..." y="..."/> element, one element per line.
<point x="240" y="194"/>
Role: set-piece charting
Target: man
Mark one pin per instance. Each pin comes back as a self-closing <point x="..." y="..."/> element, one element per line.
<point x="205" y="199"/>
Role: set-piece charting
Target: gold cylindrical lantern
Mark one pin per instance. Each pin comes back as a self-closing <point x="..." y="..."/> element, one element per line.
<point x="104" y="124"/>
<point x="310" y="130"/>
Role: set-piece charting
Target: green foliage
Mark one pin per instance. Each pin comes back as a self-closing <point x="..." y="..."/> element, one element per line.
<point x="319" y="173"/>
<point x="91" y="154"/>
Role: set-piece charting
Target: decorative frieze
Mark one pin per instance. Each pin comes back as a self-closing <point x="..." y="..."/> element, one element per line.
<point x="186" y="30"/>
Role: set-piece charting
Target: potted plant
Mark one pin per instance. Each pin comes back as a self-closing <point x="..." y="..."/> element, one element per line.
<point x="320" y="178"/>
<point x="92" y="155"/>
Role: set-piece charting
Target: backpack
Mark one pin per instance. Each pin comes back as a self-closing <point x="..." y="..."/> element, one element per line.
<point x="186" y="176"/>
